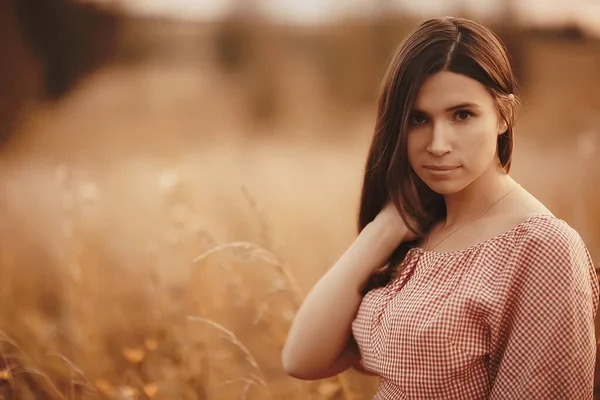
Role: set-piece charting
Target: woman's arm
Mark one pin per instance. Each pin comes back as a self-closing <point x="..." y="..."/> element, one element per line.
<point x="319" y="344"/>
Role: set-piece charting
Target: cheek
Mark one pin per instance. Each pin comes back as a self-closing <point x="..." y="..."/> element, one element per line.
<point x="481" y="140"/>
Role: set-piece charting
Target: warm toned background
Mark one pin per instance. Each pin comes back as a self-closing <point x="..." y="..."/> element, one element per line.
<point x="175" y="179"/>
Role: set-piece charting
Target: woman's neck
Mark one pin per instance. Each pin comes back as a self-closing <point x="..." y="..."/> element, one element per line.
<point x="477" y="197"/>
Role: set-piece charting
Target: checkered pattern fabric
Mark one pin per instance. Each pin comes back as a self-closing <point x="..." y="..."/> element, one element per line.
<point x="509" y="318"/>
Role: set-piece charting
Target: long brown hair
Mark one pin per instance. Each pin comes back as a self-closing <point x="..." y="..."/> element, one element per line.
<point x="443" y="44"/>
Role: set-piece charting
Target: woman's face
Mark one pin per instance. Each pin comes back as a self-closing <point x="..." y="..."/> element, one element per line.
<point x="453" y="132"/>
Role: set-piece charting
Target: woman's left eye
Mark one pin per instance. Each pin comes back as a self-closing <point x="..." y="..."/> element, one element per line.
<point x="462" y="115"/>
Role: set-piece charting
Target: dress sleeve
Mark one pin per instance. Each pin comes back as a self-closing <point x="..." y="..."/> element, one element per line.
<point x="545" y="345"/>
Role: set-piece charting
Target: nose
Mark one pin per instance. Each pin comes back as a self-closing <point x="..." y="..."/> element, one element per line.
<point x="439" y="144"/>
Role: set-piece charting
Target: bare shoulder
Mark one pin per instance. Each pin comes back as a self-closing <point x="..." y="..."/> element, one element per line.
<point x="525" y="205"/>
<point x="519" y="209"/>
<point x="540" y="228"/>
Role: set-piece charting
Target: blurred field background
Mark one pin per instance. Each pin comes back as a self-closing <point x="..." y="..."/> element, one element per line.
<point x="174" y="180"/>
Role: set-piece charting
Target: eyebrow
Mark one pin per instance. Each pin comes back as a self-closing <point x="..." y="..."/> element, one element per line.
<point x="453" y="108"/>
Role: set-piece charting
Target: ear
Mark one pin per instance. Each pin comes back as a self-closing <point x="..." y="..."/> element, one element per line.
<point x="503" y="127"/>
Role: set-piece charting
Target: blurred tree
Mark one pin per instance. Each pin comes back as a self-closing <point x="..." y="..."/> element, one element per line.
<point x="46" y="47"/>
<point x="243" y="50"/>
<point x="68" y="38"/>
<point x="19" y="73"/>
<point x="353" y="56"/>
<point x="513" y="37"/>
<point x="232" y="44"/>
<point x="235" y="34"/>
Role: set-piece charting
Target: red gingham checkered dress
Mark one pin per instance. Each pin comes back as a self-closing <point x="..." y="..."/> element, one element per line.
<point x="509" y="318"/>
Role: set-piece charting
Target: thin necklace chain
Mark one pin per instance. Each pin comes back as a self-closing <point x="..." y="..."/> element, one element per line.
<point x="469" y="220"/>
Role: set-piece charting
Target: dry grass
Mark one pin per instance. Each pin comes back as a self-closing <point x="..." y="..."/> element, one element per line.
<point x="136" y="338"/>
<point x="93" y="309"/>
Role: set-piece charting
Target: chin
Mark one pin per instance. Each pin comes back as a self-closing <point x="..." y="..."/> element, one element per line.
<point x="445" y="187"/>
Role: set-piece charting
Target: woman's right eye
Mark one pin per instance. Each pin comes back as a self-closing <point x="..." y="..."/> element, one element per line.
<point x="417" y="119"/>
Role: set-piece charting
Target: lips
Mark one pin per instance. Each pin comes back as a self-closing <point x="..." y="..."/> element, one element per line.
<point x="440" y="167"/>
<point x="440" y="171"/>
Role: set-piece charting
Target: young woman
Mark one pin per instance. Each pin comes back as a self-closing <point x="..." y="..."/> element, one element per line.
<point x="460" y="284"/>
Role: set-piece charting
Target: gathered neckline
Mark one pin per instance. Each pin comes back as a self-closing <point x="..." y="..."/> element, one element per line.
<point x="476" y="246"/>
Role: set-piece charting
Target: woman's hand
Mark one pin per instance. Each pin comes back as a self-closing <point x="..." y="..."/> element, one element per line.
<point x="392" y="225"/>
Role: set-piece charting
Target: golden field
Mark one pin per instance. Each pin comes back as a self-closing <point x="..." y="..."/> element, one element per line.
<point x="162" y="223"/>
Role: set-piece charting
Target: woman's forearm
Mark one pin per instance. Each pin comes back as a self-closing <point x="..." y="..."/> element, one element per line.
<point x="322" y="327"/>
